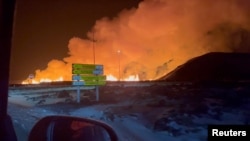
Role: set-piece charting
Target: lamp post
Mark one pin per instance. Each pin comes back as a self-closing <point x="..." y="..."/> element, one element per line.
<point x="119" y="64"/>
<point x="94" y="47"/>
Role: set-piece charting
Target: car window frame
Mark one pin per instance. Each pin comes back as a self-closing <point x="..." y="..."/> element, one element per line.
<point x="7" y="12"/>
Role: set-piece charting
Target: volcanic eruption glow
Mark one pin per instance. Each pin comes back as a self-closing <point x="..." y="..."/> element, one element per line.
<point x="109" y="78"/>
<point x="147" y="42"/>
<point x="34" y="81"/>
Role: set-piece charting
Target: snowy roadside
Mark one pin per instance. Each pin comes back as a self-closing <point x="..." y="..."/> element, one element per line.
<point x="156" y="113"/>
<point x="130" y="127"/>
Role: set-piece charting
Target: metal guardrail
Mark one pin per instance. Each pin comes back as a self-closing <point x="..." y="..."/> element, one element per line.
<point x="32" y="90"/>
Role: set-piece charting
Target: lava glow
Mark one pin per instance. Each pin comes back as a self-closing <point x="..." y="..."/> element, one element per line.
<point x="109" y="78"/>
<point x="129" y="78"/>
<point x="156" y="37"/>
<point x="33" y="81"/>
<point x="132" y="78"/>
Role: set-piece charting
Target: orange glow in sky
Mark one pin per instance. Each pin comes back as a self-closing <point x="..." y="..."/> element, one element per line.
<point x="153" y="39"/>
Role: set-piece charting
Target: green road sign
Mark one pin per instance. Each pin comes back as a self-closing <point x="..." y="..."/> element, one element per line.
<point x="88" y="74"/>
<point x="87" y="66"/>
<point x="93" y="77"/>
<point x="90" y="83"/>
<point x="83" y="71"/>
<point x="89" y="77"/>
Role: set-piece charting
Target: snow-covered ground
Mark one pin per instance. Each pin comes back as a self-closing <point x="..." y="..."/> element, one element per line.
<point x="147" y="118"/>
<point x="129" y="128"/>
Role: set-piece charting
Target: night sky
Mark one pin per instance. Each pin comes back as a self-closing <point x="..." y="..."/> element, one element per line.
<point x="43" y="29"/>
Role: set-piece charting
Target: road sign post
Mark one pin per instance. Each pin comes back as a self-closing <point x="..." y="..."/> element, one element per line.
<point x="78" y="94"/>
<point x="97" y="93"/>
<point x="87" y="75"/>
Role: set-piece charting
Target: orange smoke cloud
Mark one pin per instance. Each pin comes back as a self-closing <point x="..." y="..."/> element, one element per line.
<point x="156" y="37"/>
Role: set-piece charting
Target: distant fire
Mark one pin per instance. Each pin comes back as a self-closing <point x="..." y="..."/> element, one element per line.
<point x="132" y="78"/>
<point x="33" y="81"/>
<point x="109" y="78"/>
<point x="129" y="78"/>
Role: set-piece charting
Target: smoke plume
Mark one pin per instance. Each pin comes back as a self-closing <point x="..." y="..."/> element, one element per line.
<point x="157" y="36"/>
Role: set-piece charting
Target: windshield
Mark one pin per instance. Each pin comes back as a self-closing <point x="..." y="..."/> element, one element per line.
<point x="151" y="69"/>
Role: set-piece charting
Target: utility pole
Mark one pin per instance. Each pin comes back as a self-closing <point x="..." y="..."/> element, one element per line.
<point x="119" y="65"/>
<point x="94" y="46"/>
<point x="96" y="87"/>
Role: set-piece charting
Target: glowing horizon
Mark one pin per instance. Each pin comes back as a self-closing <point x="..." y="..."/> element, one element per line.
<point x="60" y="79"/>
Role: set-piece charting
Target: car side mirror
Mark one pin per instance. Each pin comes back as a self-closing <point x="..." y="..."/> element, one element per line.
<point x="67" y="128"/>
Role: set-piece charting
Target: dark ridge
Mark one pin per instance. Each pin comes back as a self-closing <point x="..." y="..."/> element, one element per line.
<point x="215" y="66"/>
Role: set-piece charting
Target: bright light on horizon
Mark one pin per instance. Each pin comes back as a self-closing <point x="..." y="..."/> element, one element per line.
<point x="129" y="78"/>
<point x="34" y="81"/>
<point x="132" y="78"/>
<point x="108" y="78"/>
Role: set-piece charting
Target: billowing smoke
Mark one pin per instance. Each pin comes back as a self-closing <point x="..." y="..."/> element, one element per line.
<point x="157" y="36"/>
